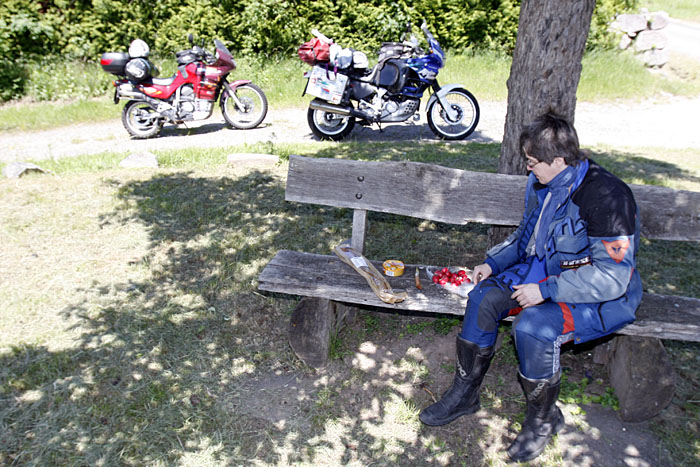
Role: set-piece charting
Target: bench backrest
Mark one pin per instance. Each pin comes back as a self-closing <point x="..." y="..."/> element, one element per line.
<point x="454" y="196"/>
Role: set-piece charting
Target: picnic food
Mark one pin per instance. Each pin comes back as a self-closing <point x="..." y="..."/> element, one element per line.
<point x="393" y="267"/>
<point x="374" y="278"/>
<point x="454" y="280"/>
<point x="444" y="275"/>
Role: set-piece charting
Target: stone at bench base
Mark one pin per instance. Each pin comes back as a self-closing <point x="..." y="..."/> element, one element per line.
<point x="314" y="321"/>
<point x="641" y="374"/>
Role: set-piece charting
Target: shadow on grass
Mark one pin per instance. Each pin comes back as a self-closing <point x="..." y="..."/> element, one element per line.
<point x="192" y="363"/>
<point x="634" y="169"/>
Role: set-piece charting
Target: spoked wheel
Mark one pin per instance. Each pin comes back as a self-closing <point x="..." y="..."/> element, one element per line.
<point x="466" y="109"/>
<point x="246" y="109"/>
<point x="141" y="120"/>
<point x="327" y="125"/>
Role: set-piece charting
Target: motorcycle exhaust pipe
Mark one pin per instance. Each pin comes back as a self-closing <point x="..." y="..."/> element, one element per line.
<point x="317" y="104"/>
<point x="136" y="95"/>
<point x="330" y="108"/>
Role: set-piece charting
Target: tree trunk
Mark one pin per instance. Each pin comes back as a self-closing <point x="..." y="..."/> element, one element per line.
<point x="544" y="75"/>
<point x="546" y="68"/>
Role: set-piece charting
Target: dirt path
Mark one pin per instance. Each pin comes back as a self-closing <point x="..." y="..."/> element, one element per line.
<point x="669" y="123"/>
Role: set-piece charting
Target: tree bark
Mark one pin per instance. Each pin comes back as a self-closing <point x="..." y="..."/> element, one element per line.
<point x="544" y="75"/>
<point x="546" y="68"/>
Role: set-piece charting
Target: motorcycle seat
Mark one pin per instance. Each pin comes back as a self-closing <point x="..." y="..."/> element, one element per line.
<point x="163" y="81"/>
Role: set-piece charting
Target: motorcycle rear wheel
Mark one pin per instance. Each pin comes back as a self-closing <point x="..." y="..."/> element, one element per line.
<point x="329" y="126"/>
<point x="254" y="109"/>
<point x="141" y="120"/>
<point x="467" y="108"/>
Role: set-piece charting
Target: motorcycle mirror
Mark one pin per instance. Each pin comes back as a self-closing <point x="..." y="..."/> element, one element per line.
<point x="190" y="39"/>
<point x="406" y="31"/>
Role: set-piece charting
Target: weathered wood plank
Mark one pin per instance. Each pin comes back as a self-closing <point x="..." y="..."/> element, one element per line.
<point x="359" y="230"/>
<point x="455" y="196"/>
<point x="325" y="276"/>
<point x="328" y="277"/>
<point x="414" y="189"/>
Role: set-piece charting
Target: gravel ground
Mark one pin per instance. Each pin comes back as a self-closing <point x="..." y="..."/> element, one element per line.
<point x="657" y="123"/>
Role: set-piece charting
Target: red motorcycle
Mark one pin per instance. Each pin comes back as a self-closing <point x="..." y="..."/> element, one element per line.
<point x="189" y="95"/>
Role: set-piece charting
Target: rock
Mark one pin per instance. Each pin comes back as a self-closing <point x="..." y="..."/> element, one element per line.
<point x="17" y="169"/>
<point x="655" y="57"/>
<point x="251" y="160"/>
<point x="641" y="373"/>
<point x="625" y="41"/>
<point x="630" y="24"/>
<point x="648" y="40"/>
<point x="140" y="160"/>
<point x="658" y="20"/>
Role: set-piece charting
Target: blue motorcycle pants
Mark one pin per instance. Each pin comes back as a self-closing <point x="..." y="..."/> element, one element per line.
<point x="539" y="331"/>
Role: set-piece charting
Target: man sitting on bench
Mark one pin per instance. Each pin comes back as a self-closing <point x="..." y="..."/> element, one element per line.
<point x="568" y="272"/>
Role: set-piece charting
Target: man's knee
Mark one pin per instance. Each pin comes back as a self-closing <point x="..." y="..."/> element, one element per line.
<point x="490" y="301"/>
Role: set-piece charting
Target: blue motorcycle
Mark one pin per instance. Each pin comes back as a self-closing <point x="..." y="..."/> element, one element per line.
<point x="346" y="90"/>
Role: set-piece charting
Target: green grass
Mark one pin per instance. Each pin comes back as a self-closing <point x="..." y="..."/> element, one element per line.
<point x="45" y="115"/>
<point x="608" y="76"/>
<point x="132" y="331"/>
<point x="681" y="9"/>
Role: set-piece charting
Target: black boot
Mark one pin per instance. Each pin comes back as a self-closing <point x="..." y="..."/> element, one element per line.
<point x="463" y="396"/>
<point x="542" y="420"/>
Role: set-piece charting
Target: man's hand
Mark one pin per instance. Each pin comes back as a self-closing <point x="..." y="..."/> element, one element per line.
<point x="481" y="272"/>
<point x="527" y="295"/>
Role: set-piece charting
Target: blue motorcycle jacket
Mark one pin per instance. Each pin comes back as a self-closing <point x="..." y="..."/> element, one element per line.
<point x="591" y="247"/>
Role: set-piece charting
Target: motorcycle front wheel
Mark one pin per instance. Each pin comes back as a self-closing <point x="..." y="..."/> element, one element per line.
<point x="467" y="115"/>
<point x="247" y="110"/>
<point x="329" y="126"/>
<point x="141" y="120"/>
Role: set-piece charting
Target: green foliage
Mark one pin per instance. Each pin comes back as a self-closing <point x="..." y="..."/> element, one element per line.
<point x="600" y="37"/>
<point x="445" y="325"/>
<point x="577" y="393"/>
<point x="84" y="29"/>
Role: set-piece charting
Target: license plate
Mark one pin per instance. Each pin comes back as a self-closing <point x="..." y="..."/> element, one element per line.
<point x="326" y="85"/>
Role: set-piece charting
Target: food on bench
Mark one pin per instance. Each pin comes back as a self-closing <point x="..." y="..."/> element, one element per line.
<point x="417" y="277"/>
<point x="444" y="276"/>
<point x="393" y="267"/>
<point x="374" y="278"/>
<point x="454" y="280"/>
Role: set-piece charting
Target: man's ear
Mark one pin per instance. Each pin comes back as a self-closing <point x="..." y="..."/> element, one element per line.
<point x="559" y="162"/>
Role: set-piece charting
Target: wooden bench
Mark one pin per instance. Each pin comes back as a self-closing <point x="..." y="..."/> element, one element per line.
<point x="425" y="191"/>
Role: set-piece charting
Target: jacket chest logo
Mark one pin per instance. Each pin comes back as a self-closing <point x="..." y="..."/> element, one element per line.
<point x="574" y="263"/>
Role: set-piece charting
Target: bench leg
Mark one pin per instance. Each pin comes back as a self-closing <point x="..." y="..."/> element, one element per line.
<point x="641" y="374"/>
<point x="313" y="323"/>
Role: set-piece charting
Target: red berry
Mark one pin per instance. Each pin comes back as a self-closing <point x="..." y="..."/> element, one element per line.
<point x="443" y="281"/>
<point x="436" y="279"/>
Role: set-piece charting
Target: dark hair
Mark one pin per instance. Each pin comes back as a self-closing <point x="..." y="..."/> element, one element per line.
<point x="550" y="136"/>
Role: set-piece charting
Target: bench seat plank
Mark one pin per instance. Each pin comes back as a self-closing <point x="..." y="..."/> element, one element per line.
<point x="326" y="276"/>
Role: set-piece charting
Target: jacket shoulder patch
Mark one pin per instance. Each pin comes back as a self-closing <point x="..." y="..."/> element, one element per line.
<point x="617" y="249"/>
